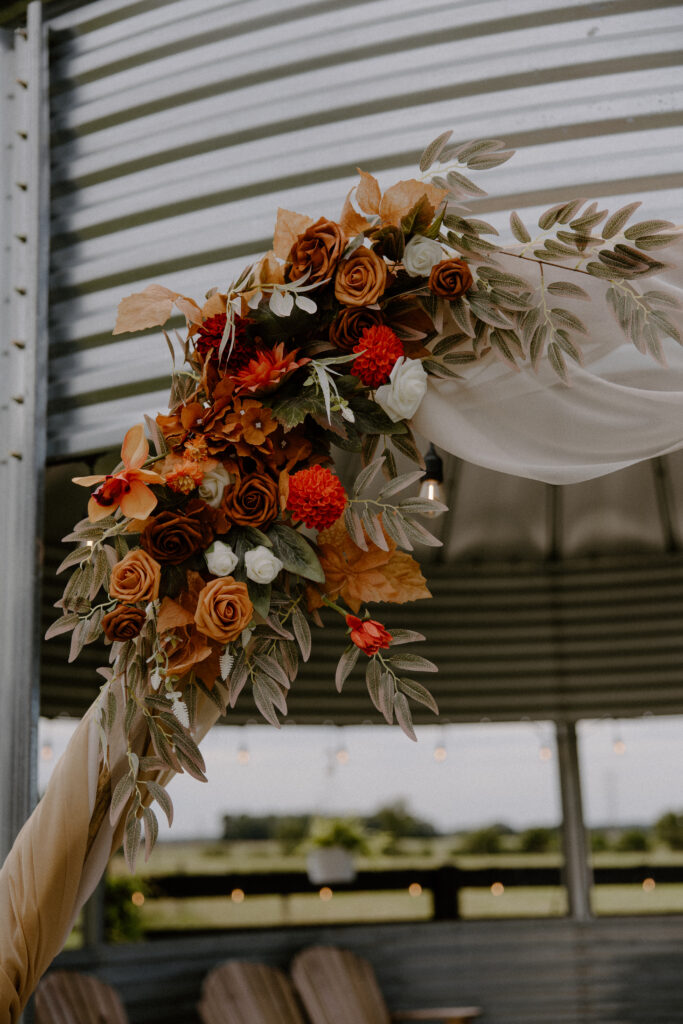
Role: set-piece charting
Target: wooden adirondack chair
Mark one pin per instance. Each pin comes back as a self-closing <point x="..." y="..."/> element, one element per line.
<point x="242" y="993"/>
<point x="66" y="997"/>
<point x="338" y="987"/>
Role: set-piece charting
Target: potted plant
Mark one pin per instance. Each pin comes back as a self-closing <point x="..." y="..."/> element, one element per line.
<point x="333" y="843"/>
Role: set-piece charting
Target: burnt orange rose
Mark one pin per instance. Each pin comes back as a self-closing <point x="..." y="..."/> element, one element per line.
<point x="223" y="609"/>
<point x="317" y="251"/>
<point x="347" y="329"/>
<point x="135" y="578"/>
<point x="450" y="278"/>
<point x="171" y="537"/>
<point x="252" y="501"/>
<point x="360" y="279"/>
<point x="124" y="622"/>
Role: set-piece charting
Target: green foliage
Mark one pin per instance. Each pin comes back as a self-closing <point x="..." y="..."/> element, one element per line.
<point x="344" y="832"/>
<point x="483" y="841"/>
<point x="538" y="840"/>
<point x="633" y="840"/>
<point x="599" y="841"/>
<point x="396" y="820"/>
<point x="122" y="918"/>
<point x="669" y="830"/>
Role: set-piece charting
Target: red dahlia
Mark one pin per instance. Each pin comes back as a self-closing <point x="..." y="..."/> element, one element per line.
<point x="210" y="335"/>
<point x="378" y="349"/>
<point x="316" y="497"/>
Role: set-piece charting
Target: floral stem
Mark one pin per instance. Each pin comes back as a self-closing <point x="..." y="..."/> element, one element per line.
<point x="337" y="608"/>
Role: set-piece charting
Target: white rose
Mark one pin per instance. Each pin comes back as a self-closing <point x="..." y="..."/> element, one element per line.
<point x="401" y="397"/>
<point x="220" y="558"/>
<point x="212" y="486"/>
<point x="421" y="254"/>
<point x="261" y="564"/>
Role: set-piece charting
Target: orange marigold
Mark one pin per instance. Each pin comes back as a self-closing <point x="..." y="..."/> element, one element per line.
<point x="184" y="476"/>
<point x="378" y="349"/>
<point x="264" y="372"/>
<point x="316" y="497"/>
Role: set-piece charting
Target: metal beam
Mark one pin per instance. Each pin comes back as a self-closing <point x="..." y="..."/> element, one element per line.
<point x="577" y="873"/>
<point x="24" y="242"/>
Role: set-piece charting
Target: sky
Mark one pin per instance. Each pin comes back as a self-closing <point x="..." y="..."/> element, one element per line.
<point x="632" y="772"/>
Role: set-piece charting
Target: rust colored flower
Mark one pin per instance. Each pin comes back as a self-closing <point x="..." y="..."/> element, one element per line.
<point x="178" y="425"/>
<point x="378" y="349"/>
<point x="368" y="634"/>
<point x="127" y="489"/>
<point x="252" y="500"/>
<point x="183" y="475"/>
<point x="290" y="447"/>
<point x="317" y="252"/>
<point x="346" y="330"/>
<point x="450" y="278"/>
<point x="135" y="578"/>
<point x="184" y="646"/>
<point x="316" y="497"/>
<point x="124" y="622"/>
<point x="210" y="334"/>
<point x="172" y="537"/>
<point x="267" y="369"/>
<point x="223" y="609"/>
<point x="361" y="279"/>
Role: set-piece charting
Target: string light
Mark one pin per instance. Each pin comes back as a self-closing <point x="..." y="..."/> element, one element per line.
<point x="237" y="895"/>
<point x="326" y="894"/>
<point x="137" y="898"/>
<point x="414" y="889"/>
<point x="619" y="747"/>
<point x="342" y="755"/>
<point x="648" y="884"/>
<point x="497" y="889"/>
<point x="545" y="753"/>
<point x="243" y="756"/>
<point x="47" y="752"/>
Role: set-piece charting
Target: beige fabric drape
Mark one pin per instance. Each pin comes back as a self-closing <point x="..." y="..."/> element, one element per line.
<point x="50" y="873"/>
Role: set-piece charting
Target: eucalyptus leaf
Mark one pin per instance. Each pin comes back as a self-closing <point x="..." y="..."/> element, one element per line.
<point x="403" y="715"/>
<point x="417" y="692"/>
<point x="295" y="553"/>
<point x="346" y="665"/>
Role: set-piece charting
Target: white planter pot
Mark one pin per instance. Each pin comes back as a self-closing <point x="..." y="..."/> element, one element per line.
<point x="330" y="864"/>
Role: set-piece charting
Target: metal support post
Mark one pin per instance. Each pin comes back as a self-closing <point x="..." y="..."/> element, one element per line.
<point x="577" y="873"/>
<point x="24" y="237"/>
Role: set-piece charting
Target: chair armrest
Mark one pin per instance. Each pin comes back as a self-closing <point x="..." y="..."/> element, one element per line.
<point x="446" y="1014"/>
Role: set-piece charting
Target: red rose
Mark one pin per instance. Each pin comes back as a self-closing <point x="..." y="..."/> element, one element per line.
<point x="367" y="634"/>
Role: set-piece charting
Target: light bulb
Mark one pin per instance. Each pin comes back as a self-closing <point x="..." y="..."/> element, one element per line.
<point x="431" y="487"/>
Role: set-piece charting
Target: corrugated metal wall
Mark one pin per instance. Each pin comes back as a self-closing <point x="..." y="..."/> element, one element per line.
<point x="179" y="127"/>
<point x="619" y="971"/>
<point x="574" y="641"/>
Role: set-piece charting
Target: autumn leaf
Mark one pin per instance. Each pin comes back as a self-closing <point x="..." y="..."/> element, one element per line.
<point x="288" y="227"/>
<point x="400" y="199"/>
<point x="351" y="222"/>
<point x="172" y="615"/>
<point x="152" y="308"/>
<point x="368" y="195"/>
<point x="214" y="306"/>
<point x="360" y="577"/>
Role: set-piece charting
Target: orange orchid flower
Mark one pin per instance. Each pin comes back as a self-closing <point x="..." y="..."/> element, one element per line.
<point x="128" y="489"/>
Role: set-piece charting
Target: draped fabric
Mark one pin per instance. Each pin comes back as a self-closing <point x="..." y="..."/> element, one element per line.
<point x="621" y="407"/>
<point x="55" y="863"/>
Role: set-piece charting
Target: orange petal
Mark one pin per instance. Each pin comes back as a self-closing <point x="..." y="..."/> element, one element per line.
<point x="97" y="511"/>
<point x="149" y="308"/>
<point x="351" y="222"/>
<point x="87" y="481"/>
<point x="134" y="449"/>
<point x="139" y="501"/>
<point x="172" y="615"/>
<point x="147" y="476"/>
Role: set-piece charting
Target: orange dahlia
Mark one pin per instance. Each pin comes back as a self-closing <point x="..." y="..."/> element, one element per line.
<point x="316" y="497"/>
<point x="378" y="350"/>
<point x="183" y="475"/>
<point x="266" y="369"/>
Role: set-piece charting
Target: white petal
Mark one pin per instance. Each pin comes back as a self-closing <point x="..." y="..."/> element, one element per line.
<point x="308" y="305"/>
<point x="254" y="300"/>
<point x="281" y="303"/>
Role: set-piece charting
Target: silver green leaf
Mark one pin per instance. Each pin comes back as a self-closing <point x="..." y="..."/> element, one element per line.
<point x="403" y="715"/>
<point x="346" y="665"/>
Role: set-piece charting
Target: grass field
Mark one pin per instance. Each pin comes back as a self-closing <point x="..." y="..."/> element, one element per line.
<point x="270" y="911"/>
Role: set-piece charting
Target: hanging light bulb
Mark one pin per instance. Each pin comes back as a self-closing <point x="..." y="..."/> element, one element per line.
<point x="243" y="756"/>
<point x="431" y="486"/>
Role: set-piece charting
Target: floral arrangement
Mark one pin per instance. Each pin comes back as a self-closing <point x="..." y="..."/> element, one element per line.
<point x="205" y="563"/>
